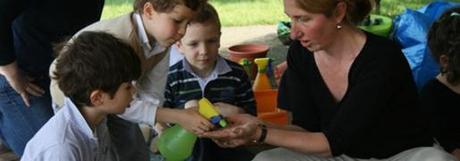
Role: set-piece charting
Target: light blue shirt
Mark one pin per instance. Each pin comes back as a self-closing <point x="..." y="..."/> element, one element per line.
<point x="68" y="137"/>
<point x="175" y="55"/>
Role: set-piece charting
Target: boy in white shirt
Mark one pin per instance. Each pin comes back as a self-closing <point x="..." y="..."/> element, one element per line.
<point x="94" y="89"/>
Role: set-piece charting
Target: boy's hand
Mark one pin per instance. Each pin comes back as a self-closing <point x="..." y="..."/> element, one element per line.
<point x="192" y="121"/>
<point x="226" y="109"/>
<point x="191" y="104"/>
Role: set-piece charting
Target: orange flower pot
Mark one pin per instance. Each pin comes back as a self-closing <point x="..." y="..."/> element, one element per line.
<point x="267" y="109"/>
<point x="250" y="52"/>
<point x="266" y="100"/>
<point x="279" y="117"/>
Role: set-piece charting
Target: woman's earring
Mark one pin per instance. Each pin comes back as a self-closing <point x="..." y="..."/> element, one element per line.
<point x="339" y="26"/>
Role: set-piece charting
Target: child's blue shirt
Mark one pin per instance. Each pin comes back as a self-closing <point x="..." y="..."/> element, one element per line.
<point x="67" y="136"/>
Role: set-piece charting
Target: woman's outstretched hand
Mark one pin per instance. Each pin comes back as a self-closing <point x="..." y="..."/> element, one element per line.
<point x="241" y="130"/>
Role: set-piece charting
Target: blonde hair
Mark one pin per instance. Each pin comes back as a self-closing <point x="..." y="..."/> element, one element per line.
<point x="357" y="10"/>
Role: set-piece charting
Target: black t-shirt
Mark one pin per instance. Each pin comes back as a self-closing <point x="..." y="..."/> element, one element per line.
<point x="379" y="115"/>
<point x="443" y="105"/>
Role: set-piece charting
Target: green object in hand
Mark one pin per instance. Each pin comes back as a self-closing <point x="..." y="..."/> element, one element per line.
<point x="176" y="143"/>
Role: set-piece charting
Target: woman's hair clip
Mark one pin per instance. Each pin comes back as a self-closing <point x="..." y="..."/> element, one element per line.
<point x="454" y="14"/>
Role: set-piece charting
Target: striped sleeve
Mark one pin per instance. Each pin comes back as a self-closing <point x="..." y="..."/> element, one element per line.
<point x="244" y="94"/>
<point x="169" y="97"/>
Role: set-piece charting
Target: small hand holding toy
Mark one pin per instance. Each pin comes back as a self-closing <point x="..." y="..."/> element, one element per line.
<point x="176" y="143"/>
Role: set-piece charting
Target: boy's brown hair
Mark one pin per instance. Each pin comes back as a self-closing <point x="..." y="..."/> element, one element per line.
<point x="164" y="6"/>
<point x="168" y="5"/>
<point x="94" y="61"/>
<point x="207" y="14"/>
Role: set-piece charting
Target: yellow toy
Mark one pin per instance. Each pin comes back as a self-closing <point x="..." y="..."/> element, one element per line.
<point x="209" y="112"/>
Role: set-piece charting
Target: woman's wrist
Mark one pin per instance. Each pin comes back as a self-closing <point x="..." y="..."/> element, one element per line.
<point x="260" y="134"/>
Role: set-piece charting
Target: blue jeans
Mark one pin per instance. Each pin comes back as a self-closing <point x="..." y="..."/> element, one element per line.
<point x="19" y="123"/>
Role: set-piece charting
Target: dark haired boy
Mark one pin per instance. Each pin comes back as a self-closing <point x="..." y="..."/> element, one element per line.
<point x="93" y="89"/>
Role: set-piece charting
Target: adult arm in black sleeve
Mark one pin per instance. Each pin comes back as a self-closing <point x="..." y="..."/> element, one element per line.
<point x="294" y="93"/>
<point x="10" y="9"/>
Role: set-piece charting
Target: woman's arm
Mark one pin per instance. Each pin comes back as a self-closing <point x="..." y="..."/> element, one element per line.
<point x="244" y="94"/>
<point x="246" y="129"/>
<point x="288" y="126"/>
<point x="301" y="141"/>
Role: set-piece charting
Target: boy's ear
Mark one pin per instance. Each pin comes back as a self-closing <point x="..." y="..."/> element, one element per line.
<point x="149" y="10"/>
<point x="179" y="46"/>
<point x="96" y="97"/>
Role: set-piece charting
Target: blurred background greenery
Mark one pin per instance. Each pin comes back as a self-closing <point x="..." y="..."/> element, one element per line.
<point x="260" y="12"/>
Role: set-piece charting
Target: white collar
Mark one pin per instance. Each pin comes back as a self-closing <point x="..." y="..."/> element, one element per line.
<point x="73" y="112"/>
<point x="221" y="67"/>
<point x="145" y="43"/>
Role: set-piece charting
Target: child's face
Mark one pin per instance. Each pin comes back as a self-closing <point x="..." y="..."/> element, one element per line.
<point x="167" y="27"/>
<point x="200" y="45"/>
<point x="120" y="101"/>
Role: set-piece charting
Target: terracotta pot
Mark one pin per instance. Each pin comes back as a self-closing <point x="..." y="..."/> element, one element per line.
<point x="266" y="100"/>
<point x="280" y="117"/>
<point x="250" y="52"/>
<point x="267" y="109"/>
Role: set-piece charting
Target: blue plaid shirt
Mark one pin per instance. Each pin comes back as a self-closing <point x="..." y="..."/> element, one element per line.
<point x="227" y="83"/>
